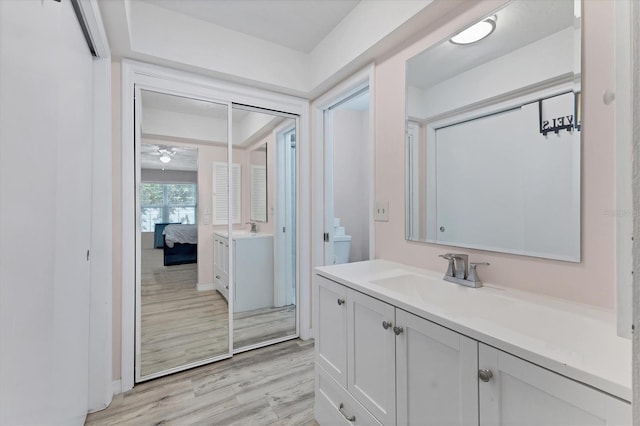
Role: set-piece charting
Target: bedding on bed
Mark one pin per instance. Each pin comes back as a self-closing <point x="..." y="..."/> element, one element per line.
<point x="184" y="234"/>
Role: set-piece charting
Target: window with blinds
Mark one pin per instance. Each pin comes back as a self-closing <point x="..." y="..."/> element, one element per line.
<point x="220" y="193"/>
<point x="258" y="177"/>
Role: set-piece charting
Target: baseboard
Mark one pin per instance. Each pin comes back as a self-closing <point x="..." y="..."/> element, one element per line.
<point x="116" y="386"/>
<point x="205" y="286"/>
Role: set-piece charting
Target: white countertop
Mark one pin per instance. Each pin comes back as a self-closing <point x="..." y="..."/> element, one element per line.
<point x="575" y="340"/>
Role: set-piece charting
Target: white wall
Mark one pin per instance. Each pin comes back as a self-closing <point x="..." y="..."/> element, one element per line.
<point x="178" y="38"/>
<point x="350" y="178"/>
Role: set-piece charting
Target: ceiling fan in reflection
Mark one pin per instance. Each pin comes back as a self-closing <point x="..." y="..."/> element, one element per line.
<point x="166" y="154"/>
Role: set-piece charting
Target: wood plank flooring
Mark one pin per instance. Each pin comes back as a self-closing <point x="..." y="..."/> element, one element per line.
<point x="181" y="325"/>
<point x="260" y="325"/>
<point x="267" y="386"/>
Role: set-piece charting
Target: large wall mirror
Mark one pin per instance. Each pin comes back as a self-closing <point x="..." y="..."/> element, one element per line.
<point x="493" y="135"/>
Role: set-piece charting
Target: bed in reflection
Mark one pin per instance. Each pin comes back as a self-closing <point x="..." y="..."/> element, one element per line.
<point x="180" y="244"/>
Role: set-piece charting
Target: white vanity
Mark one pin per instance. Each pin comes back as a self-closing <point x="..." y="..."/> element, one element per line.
<point x="398" y="345"/>
<point x="252" y="267"/>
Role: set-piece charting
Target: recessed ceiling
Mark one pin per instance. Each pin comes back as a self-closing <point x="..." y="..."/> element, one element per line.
<point x="296" y="24"/>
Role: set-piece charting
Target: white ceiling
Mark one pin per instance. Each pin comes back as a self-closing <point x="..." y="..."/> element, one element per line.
<point x="296" y="24"/>
<point x="183" y="158"/>
<point x="295" y="47"/>
<point x="518" y="24"/>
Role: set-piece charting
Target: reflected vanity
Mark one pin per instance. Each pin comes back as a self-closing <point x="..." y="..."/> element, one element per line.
<point x="493" y="136"/>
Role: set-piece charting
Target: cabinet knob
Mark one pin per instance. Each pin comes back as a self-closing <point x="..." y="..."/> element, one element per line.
<point x="217" y="277"/>
<point x="349" y="418"/>
<point x="340" y="301"/>
<point x="386" y="324"/>
<point x="398" y="330"/>
<point x="485" y="374"/>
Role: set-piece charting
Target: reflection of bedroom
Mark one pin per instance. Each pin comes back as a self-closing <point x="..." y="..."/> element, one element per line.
<point x="184" y="312"/>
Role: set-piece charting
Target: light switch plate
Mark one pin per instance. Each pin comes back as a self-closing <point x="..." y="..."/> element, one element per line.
<point x="381" y="213"/>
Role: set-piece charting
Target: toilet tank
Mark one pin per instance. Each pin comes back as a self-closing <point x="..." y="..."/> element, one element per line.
<point x="341" y="248"/>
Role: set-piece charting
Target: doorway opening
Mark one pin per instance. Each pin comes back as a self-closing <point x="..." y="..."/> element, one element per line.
<point x="347" y="219"/>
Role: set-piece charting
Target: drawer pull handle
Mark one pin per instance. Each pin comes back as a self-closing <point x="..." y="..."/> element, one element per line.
<point x="340" y="302"/>
<point x="398" y="330"/>
<point x="349" y="418"/>
<point x="485" y="375"/>
<point x="386" y="324"/>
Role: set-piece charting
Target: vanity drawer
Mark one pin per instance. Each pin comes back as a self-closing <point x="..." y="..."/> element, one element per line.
<point x="330" y="395"/>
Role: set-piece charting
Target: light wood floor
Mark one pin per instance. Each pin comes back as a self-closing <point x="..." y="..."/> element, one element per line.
<point x="267" y="386"/>
<point x="181" y="325"/>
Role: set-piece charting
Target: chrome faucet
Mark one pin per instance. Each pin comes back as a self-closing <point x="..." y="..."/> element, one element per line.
<point x="253" y="227"/>
<point x="457" y="270"/>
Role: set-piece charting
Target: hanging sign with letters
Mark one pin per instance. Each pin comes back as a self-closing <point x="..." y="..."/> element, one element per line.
<point x="560" y="112"/>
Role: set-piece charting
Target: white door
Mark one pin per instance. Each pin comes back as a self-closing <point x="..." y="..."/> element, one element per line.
<point x="46" y="82"/>
<point x="436" y="374"/>
<point x="371" y="355"/>
<point x="522" y="393"/>
<point x="330" y="319"/>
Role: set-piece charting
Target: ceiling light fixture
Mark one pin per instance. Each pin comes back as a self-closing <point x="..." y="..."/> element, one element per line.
<point x="475" y="32"/>
<point x="165" y="158"/>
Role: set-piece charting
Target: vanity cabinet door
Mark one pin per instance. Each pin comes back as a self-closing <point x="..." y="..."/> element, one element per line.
<point x="522" y="393"/>
<point x="371" y="351"/>
<point x="220" y="265"/>
<point x="436" y="374"/>
<point x="330" y="326"/>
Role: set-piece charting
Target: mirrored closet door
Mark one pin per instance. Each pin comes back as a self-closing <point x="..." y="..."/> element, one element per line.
<point x="181" y="320"/>
<point x="263" y="239"/>
<point x="216" y="240"/>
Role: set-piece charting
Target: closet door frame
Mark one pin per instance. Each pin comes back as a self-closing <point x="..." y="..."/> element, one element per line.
<point x="160" y="79"/>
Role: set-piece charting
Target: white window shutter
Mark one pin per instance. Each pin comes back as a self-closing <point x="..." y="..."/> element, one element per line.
<point x="220" y="193"/>
<point x="236" y="189"/>
<point x="258" y="193"/>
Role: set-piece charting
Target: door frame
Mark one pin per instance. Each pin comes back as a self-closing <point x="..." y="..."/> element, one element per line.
<point x="165" y="79"/>
<point x="360" y="80"/>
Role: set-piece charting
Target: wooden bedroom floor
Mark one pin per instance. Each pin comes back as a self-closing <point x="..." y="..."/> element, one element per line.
<point x="267" y="386"/>
<point x="181" y="325"/>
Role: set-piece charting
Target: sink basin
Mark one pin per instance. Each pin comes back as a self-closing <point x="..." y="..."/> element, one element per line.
<point x="408" y="284"/>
